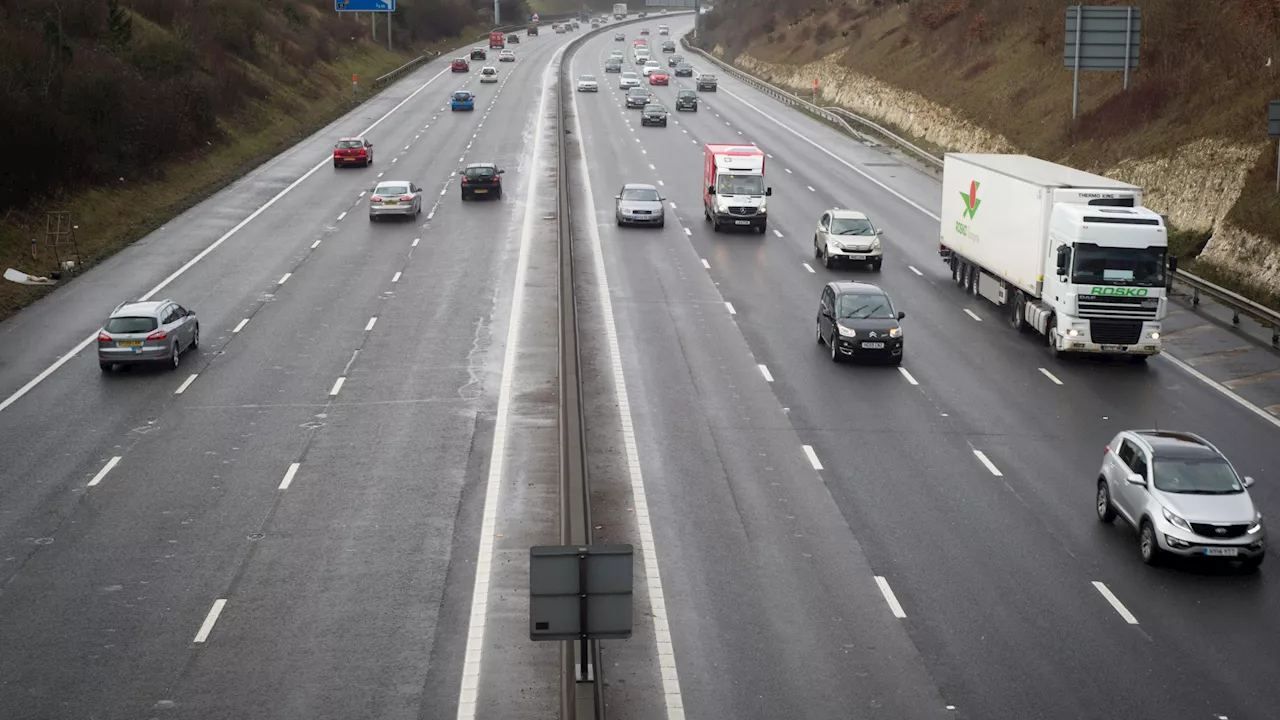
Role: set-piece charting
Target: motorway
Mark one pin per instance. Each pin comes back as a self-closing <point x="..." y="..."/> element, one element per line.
<point x="325" y="512"/>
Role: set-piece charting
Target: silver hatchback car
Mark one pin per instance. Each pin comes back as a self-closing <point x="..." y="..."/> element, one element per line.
<point x="640" y="204"/>
<point x="1182" y="495"/>
<point x="395" y="197"/>
<point x="140" y="333"/>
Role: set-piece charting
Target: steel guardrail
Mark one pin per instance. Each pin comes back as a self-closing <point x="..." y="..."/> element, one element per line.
<point x="1238" y="304"/>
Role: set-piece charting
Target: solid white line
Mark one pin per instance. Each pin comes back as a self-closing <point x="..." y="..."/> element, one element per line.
<point x="706" y="264"/>
<point x="369" y="325"/>
<point x="105" y="469"/>
<point x="765" y="372"/>
<point x="240" y="325"/>
<point x="288" y="476"/>
<point x="688" y="232"/>
<point x="337" y="386"/>
<point x="890" y="598"/>
<point x="210" y="619"/>
<point x="907" y="375"/>
<point x="775" y="232"/>
<point x="1115" y="603"/>
<point x="1050" y="375"/>
<point x="972" y="314"/>
<point x="990" y="465"/>
<point x="285" y="278"/>
<point x="66" y="357"/>
<point x="476" y="627"/>
<point x="342" y="215"/>
<point x="1222" y="389"/>
<point x="186" y="384"/>
<point x="914" y="270"/>
<point x="813" y="457"/>
<point x="673" y="205"/>
<point x="729" y="306"/>
<point x="807" y="267"/>
<point x="396" y="277"/>
<point x="415" y="242"/>
<point x="315" y="245"/>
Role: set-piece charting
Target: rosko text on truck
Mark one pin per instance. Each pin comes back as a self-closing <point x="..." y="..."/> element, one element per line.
<point x="733" y="189"/>
<point x="1072" y="255"/>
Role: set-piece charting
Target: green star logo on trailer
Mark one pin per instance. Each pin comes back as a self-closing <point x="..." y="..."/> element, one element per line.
<point x="971" y="201"/>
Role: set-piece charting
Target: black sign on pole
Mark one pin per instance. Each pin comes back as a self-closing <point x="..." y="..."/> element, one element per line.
<point x="1273" y="131"/>
<point x="580" y="592"/>
<point x="1103" y="38"/>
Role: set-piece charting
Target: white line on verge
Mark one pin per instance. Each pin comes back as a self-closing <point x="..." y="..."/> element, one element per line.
<point x="972" y="314"/>
<point x="186" y="384"/>
<point x="240" y="325"/>
<point x="105" y="469"/>
<point x="907" y="375"/>
<point x="1115" y="603"/>
<point x="986" y="461"/>
<point x="890" y="598"/>
<point x="768" y="377"/>
<point x="1222" y="389"/>
<point x="288" y="476"/>
<point x="914" y="270"/>
<point x="207" y="626"/>
<point x="813" y="457"/>
<point x="1051" y="376"/>
<point x="337" y="386"/>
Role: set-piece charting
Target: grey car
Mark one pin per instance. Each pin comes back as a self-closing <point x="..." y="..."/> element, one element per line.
<point x="847" y="236"/>
<point x="1183" y="497"/>
<point x="399" y="198"/>
<point x="637" y="97"/>
<point x="675" y="60"/>
<point x="640" y="204"/>
<point x="707" y="81"/>
<point x="152" y="332"/>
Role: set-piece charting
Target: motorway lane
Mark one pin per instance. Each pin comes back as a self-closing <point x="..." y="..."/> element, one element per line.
<point x="349" y="577"/>
<point x="1044" y="441"/>
<point x="746" y="531"/>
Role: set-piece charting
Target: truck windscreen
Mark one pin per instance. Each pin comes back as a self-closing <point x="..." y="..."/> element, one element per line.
<point x="728" y="184"/>
<point x="1096" y="265"/>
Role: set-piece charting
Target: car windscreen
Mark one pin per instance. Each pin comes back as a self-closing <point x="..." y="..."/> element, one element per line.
<point x="588" y="78"/>
<point x="865" y="306"/>
<point x="654" y="109"/>
<point x="350" y="144"/>
<point x="125" y="325"/>
<point x="686" y="94"/>
<point x="392" y="190"/>
<point x="851" y="226"/>
<point x="479" y="172"/>
<point x="1195" y="476"/>
<point x="640" y="194"/>
<point x="462" y="95"/>
<point x="731" y="184"/>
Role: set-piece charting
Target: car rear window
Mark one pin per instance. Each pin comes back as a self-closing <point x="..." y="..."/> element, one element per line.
<point x="124" y="325"/>
<point x="350" y="144"/>
<point x="462" y="96"/>
<point x="479" y="172"/>
<point x="393" y="190"/>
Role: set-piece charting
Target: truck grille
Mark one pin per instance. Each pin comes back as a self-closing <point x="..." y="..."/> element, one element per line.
<point x="1115" y="332"/>
<point x="742" y="211"/>
<point x="1120" y="308"/>
<point x="1211" y="531"/>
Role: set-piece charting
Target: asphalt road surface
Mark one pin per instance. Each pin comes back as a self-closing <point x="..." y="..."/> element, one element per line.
<point x="861" y="541"/>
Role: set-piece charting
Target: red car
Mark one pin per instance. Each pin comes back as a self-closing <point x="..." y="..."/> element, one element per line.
<point x="658" y="78"/>
<point x="353" y="151"/>
<point x="461" y="65"/>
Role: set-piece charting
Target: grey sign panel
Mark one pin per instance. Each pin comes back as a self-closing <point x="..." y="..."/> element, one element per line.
<point x="1273" y="119"/>
<point x="1107" y="35"/>
<point x="580" y="592"/>
<point x="669" y="3"/>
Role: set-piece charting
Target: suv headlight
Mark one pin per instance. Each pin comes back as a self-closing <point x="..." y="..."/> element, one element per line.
<point x="875" y="244"/>
<point x="1176" y="521"/>
<point x="846" y="331"/>
<point x="1256" y="527"/>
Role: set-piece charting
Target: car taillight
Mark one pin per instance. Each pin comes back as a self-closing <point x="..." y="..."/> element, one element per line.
<point x="375" y="198"/>
<point x="104" y="337"/>
<point x="158" y="335"/>
<point x="406" y="198"/>
<point x="464" y="179"/>
<point x="362" y="152"/>
<point x="497" y="178"/>
<point x="336" y="153"/>
<point x="1106" y="450"/>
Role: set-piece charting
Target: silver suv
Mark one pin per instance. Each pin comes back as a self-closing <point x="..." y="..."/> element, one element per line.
<point x="1183" y="497"/>
<point x="147" y="332"/>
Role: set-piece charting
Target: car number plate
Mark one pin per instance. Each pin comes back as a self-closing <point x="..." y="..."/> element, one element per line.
<point x="741" y="222"/>
<point x="482" y="191"/>
<point x="130" y="343"/>
<point x="1113" y="348"/>
<point x="873" y="345"/>
<point x="1222" y="551"/>
<point x="390" y="202"/>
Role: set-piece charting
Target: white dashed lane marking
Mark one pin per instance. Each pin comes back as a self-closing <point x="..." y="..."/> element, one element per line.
<point x="288" y="476"/>
<point x="337" y="386"/>
<point x="889" y="597"/>
<point x="982" y="457"/>
<point x="285" y="279"/>
<point x="813" y="457"/>
<point x="185" y="384"/>
<point x="240" y="325"/>
<point x="907" y="375"/>
<point x="209" y="620"/>
<point x="808" y="267"/>
<point x="369" y="325"/>
<point x="1051" y="376"/>
<point x="105" y="469"/>
<point x="913" y="269"/>
<point x="972" y="314"/>
<point x="706" y="264"/>
<point x="1115" y="603"/>
<point x="768" y="377"/>
<point x="729" y="306"/>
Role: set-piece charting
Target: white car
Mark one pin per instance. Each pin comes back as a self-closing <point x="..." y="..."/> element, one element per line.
<point x="489" y="74"/>
<point x="617" y="54"/>
<point x="628" y="80"/>
<point x="506" y="56"/>
<point x="650" y="66"/>
<point x="587" y="83"/>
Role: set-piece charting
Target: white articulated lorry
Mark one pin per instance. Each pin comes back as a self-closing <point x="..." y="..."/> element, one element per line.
<point x="620" y="11"/>
<point x="1072" y="255"/>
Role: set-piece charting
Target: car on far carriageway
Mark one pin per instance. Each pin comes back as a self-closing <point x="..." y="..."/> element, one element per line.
<point x="847" y="236"/>
<point x="653" y="114"/>
<point x="587" y="83"/>
<point x="395" y="198"/>
<point x="640" y="204"/>
<point x="353" y="151"/>
<point x="857" y="320"/>
<point x="481" y="179"/>
<point x="152" y="332"/>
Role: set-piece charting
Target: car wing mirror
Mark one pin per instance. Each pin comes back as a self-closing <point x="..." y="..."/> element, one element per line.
<point x="617" y="197"/>
<point x="711" y="189"/>
<point x="661" y="199"/>
<point x="879" y="231"/>
<point x="1248" y="481"/>
<point x="768" y="192"/>
<point x="500" y="172"/>
<point x="1135" y="479"/>
<point x="901" y="314"/>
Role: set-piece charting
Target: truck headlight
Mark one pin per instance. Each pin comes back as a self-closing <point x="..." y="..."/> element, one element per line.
<point x="1071" y="332"/>
<point x="1155" y="335"/>
<point x="847" y="332"/>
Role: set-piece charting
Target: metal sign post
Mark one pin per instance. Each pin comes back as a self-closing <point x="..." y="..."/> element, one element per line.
<point x="1273" y="131"/>
<point x="355" y="88"/>
<point x="1100" y="38"/>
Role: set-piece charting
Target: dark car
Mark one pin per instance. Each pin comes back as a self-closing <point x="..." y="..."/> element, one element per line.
<point x="479" y="54"/>
<point x="481" y="179"/>
<point x="637" y="97"/>
<point x="857" y="320"/>
<point x="460" y="65"/>
<point x="707" y="81"/>
<point x="675" y="60"/>
<point x="668" y="46"/>
<point x="513" y="39"/>
<point x="686" y="100"/>
<point x="684" y="69"/>
<point x="614" y="66"/>
<point x="653" y="114"/>
<point x="533" y="31"/>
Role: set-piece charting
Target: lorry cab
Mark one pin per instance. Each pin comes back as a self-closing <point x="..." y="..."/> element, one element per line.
<point x="734" y="190"/>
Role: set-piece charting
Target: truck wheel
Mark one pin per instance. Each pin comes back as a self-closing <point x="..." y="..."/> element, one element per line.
<point x="1051" y="332"/>
<point x="1017" y="315"/>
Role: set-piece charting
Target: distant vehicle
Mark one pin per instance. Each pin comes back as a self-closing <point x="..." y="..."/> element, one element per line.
<point x="489" y="74"/>
<point x="733" y="189"/>
<point x="497" y="40"/>
<point x="1182" y="496"/>
<point x="664" y="30"/>
<point x="684" y="69"/>
<point x="395" y="197"/>
<point x="462" y="100"/>
<point x="1071" y="255"/>
<point x="675" y="60"/>
<point x="857" y="320"/>
<point x="481" y="179"/>
<point x="460" y="65"/>
<point x="658" y="77"/>
<point x="587" y="83"/>
<point x="637" y="97"/>
<point x="533" y="31"/>
<point x="353" y="151"/>
<point x="479" y="54"/>
<point x="653" y="114"/>
<point x="706" y="81"/>
<point x="513" y="39"/>
<point x="144" y="333"/>
<point x="559" y="29"/>
<point x="616" y="54"/>
<point x="686" y="100"/>
<point x="620" y="11"/>
<point x="650" y="67"/>
<point x="506" y="56"/>
<point x="628" y="80"/>
<point x="847" y="236"/>
<point x="639" y="204"/>
<point x="620" y="37"/>
<point x="668" y="47"/>
<point x="643" y="31"/>
<point x="613" y="65"/>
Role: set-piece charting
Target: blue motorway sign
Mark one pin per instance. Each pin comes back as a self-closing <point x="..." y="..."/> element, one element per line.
<point x="364" y="5"/>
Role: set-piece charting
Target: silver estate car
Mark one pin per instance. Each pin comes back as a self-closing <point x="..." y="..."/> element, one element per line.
<point x="640" y="204"/>
<point x="847" y="236"/>
<point x="1182" y="495"/>
<point x="139" y="333"/>
<point x="395" y="197"/>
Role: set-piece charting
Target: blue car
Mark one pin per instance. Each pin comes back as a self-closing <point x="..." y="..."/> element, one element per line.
<point x="463" y="100"/>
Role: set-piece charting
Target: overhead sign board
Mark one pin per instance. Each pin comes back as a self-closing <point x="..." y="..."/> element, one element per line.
<point x="1108" y="37"/>
<point x="580" y="592"/>
<point x="364" y="5"/>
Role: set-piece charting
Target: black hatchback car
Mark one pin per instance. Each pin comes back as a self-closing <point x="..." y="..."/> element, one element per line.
<point x="653" y="114"/>
<point x="684" y="69"/>
<point x="479" y="54"/>
<point x="481" y="179"/>
<point x="858" y="320"/>
<point x="686" y="100"/>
